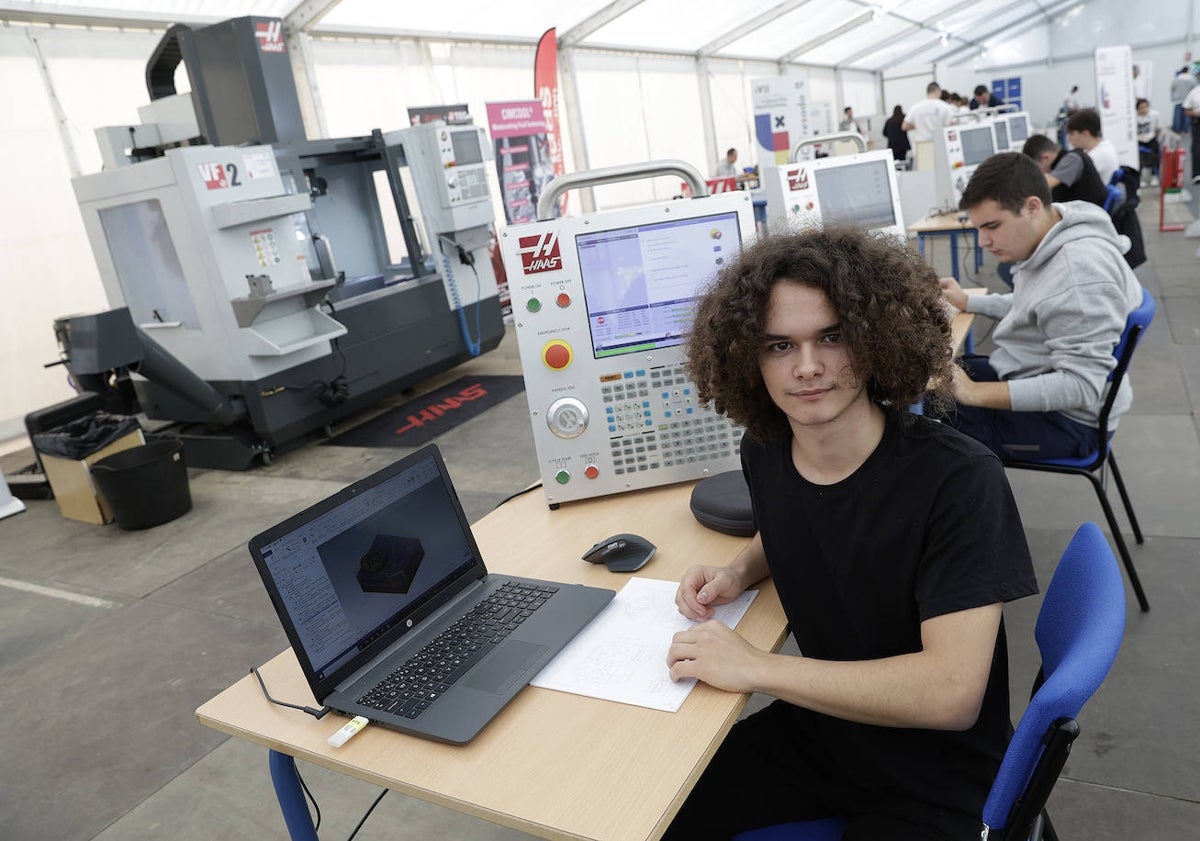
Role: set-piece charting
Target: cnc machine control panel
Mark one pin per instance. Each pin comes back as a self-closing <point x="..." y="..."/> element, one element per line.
<point x="858" y="189"/>
<point x="603" y="306"/>
<point x="957" y="153"/>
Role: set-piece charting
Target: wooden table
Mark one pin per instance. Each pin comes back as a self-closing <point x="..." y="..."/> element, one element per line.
<point x="951" y="225"/>
<point x="551" y="764"/>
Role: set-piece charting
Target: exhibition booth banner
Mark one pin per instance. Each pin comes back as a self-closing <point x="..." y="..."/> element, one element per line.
<point x="523" y="162"/>
<point x="780" y="115"/>
<point x="1114" y="84"/>
<point x="545" y="88"/>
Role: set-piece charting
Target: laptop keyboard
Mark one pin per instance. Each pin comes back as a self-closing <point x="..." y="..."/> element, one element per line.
<point x="419" y="682"/>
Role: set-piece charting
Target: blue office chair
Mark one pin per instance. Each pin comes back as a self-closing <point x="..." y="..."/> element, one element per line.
<point x="1078" y="633"/>
<point x="1113" y="200"/>
<point x="1103" y="455"/>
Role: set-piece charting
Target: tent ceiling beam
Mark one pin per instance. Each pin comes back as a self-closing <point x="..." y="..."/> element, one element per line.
<point x="602" y="18"/>
<point x="736" y="34"/>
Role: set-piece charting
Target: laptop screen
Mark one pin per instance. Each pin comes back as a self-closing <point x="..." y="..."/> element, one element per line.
<point x="356" y="569"/>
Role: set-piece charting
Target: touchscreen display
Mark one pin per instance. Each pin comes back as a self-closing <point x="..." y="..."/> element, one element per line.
<point x="641" y="283"/>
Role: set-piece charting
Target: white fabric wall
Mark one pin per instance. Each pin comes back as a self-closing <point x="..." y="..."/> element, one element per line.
<point x="48" y="266"/>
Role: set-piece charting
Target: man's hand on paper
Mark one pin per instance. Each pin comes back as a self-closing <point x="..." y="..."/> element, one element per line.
<point x="715" y="654"/>
<point x="704" y="587"/>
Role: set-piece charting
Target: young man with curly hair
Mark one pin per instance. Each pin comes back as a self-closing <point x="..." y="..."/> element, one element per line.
<point x="893" y="542"/>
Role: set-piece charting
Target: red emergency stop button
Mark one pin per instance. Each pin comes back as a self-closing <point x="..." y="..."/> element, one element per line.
<point x="563" y="300"/>
<point x="591" y="471"/>
<point x="557" y="354"/>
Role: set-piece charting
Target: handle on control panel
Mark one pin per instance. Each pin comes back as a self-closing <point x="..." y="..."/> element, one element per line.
<point x="622" y="172"/>
<point x="830" y="138"/>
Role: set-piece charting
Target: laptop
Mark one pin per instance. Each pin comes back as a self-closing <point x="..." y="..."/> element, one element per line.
<point x="393" y="615"/>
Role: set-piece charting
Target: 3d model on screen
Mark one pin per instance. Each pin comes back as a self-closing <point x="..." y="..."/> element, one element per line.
<point x="390" y="565"/>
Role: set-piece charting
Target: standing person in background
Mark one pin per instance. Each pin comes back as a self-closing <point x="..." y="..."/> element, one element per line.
<point x="1191" y="107"/>
<point x="1083" y="132"/>
<point x="1149" y="127"/>
<point x="1181" y="86"/>
<point x="848" y="123"/>
<point x="1071" y="100"/>
<point x="928" y="116"/>
<point x="897" y="137"/>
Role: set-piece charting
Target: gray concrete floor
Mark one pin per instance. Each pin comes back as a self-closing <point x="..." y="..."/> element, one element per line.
<point x="99" y="735"/>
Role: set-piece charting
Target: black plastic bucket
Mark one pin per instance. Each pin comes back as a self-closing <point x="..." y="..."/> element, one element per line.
<point x="145" y="486"/>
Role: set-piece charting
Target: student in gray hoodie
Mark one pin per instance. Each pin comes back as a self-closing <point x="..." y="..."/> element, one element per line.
<point x="1040" y="393"/>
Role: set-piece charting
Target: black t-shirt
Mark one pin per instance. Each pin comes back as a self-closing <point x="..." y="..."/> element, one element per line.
<point x="926" y="526"/>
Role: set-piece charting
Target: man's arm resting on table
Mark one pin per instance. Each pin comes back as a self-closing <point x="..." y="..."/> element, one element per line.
<point x="940" y="687"/>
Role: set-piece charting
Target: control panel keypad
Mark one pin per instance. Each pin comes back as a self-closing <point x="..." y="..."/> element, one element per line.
<point x="656" y="420"/>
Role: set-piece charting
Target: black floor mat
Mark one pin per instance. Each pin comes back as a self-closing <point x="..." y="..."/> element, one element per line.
<point x="425" y="417"/>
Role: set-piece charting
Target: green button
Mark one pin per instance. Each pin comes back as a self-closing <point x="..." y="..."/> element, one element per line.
<point x="533" y="305"/>
<point x="562" y="477"/>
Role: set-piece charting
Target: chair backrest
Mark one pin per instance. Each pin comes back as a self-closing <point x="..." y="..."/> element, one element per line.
<point x="1113" y="200"/>
<point x="1140" y="317"/>
<point x="1135" y="324"/>
<point x="1079" y="630"/>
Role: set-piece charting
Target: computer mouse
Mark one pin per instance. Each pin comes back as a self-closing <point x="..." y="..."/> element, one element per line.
<point x="621" y="552"/>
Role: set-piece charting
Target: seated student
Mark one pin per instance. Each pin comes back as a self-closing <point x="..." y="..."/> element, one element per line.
<point x="893" y="542"/>
<point x="1071" y="174"/>
<point x="985" y="99"/>
<point x="1083" y="132"/>
<point x="727" y="166"/>
<point x="1040" y="393"/>
<point x="1149" y="128"/>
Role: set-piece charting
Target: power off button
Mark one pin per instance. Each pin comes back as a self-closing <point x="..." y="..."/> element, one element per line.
<point x="591" y="471"/>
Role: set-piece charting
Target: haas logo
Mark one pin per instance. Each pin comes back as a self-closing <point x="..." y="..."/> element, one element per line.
<point x="269" y="35"/>
<point x="539" y="253"/>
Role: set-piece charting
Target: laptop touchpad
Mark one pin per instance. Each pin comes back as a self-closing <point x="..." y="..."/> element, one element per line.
<point x="504" y="665"/>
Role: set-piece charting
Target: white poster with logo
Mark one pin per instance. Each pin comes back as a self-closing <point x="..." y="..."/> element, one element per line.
<point x="780" y="115"/>
<point x="1116" y="100"/>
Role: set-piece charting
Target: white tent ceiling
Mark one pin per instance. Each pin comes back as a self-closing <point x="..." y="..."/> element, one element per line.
<point x="849" y="34"/>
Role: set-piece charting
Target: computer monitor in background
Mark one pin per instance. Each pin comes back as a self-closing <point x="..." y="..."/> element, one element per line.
<point x="1018" y="129"/>
<point x="977" y="144"/>
<point x="1000" y="134"/>
<point x="857" y="189"/>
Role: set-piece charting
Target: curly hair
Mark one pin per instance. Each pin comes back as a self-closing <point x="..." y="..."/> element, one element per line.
<point x="891" y="315"/>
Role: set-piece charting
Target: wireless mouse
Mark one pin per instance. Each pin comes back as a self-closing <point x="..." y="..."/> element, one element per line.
<point x="621" y="552"/>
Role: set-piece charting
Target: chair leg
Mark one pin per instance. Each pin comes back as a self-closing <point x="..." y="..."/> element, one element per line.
<point x="1122" y="549"/>
<point x="1116" y="471"/>
<point x="1048" y="833"/>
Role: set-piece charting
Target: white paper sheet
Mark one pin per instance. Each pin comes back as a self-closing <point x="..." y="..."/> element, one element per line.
<point x="622" y="654"/>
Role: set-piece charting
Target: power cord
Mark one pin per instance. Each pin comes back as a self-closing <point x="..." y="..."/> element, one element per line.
<point x="313" y="711"/>
<point x="473" y="345"/>
<point x="367" y="815"/>
<point x="521" y="492"/>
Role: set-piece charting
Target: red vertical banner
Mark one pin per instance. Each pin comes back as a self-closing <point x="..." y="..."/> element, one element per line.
<point x="545" y="88"/>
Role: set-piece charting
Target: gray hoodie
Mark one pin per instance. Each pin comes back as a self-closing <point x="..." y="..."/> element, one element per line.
<point x="1058" y="327"/>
